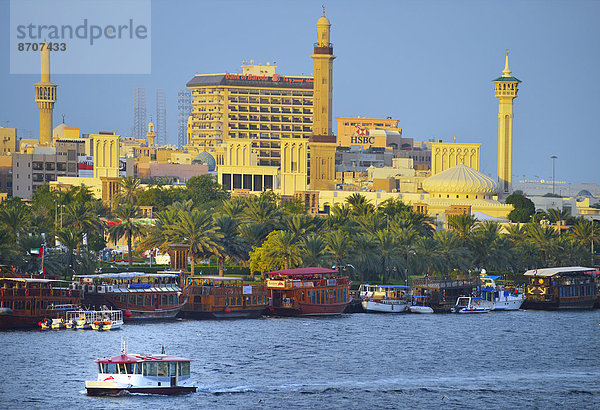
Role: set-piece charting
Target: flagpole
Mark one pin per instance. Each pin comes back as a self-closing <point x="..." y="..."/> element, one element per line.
<point x="43" y="256"/>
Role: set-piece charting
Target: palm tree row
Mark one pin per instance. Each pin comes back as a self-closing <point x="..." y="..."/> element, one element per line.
<point x="388" y="242"/>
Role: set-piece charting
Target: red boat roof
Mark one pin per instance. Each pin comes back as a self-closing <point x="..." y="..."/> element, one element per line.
<point x="302" y="271"/>
<point x="136" y="358"/>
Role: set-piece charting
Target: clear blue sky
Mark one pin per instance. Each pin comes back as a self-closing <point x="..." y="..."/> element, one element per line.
<point x="428" y="63"/>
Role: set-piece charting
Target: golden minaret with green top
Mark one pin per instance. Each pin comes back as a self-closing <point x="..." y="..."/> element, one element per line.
<point x="45" y="96"/>
<point x="505" y="88"/>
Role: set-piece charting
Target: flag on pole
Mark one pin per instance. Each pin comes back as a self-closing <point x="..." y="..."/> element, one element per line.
<point x="37" y="251"/>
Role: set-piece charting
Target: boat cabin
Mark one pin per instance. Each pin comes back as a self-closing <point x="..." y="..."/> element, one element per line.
<point x="571" y="287"/>
<point x="135" y="373"/>
<point x="308" y="291"/>
<point x="222" y="296"/>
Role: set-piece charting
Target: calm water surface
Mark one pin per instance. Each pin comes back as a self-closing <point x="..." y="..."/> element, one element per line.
<point x="496" y="360"/>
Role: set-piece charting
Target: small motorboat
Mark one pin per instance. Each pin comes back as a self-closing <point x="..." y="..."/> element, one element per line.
<point x="106" y="319"/>
<point x="420" y="309"/>
<point x="467" y="304"/>
<point x="140" y="373"/>
<point x="54" y="324"/>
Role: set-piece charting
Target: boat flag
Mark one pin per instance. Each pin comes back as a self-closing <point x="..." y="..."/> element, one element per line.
<point x="37" y="251"/>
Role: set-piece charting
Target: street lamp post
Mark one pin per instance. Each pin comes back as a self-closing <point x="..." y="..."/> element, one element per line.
<point x="553" y="168"/>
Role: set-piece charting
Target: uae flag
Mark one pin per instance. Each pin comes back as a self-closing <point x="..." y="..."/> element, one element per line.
<point x="37" y="251"/>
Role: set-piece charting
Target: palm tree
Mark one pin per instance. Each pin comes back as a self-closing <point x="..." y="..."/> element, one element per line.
<point x="281" y="249"/>
<point x="386" y="245"/>
<point x="80" y="216"/>
<point x="197" y="231"/>
<point x="584" y="232"/>
<point x="356" y="199"/>
<point x="314" y="251"/>
<point x="372" y="222"/>
<point x="15" y="218"/>
<point x="392" y="207"/>
<point x="339" y="245"/>
<point x="462" y="224"/>
<point x="427" y="253"/>
<point x="452" y="254"/>
<point x="232" y="245"/>
<point x="544" y="238"/>
<point x="301" y="224"/>
<point x="128" y="226"/>
<point x="364" y="257"/>
<point x="421" y="223"/>
<point x="128" y="189"/>
<point x="70" y="238"/>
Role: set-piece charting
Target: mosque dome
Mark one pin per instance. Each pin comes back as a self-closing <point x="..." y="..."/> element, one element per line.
<point x="460" y="179"/>
<point x="323" y="21"/>
<point x="585" y="193"/>
<point x="206" y="158"/>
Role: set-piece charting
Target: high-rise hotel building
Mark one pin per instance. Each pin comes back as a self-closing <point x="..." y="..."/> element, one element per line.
<point x="257" y="104"/>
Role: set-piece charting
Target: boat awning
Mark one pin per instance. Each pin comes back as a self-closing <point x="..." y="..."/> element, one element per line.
<point x="136" y="358"/>
<point x="223" y="278"/>
<point x="566" y="270"/>
<point x="302" y="271"/>
<point x="33" y="280"/>
<point x="128" y="275"/>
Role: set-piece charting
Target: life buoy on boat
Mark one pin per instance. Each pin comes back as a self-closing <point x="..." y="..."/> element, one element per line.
<point x="26" y="292"/>
<point x="70" y="292"/>
<point x="229" y="291"/>
<point x="478" y="302"/>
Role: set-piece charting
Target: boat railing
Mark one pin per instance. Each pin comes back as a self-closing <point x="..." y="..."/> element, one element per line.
<point x="39" y="292"/>
<point x="443" y="283"/>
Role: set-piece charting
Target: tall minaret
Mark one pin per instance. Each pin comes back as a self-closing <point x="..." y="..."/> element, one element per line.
<point x="151" y="134"/>
<point x="45" y="96"/>
<point x="506" y="88"/>
<point x="322" y="143"/>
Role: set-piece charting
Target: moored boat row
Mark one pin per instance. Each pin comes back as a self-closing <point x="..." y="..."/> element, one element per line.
<point x="53" y="304"/>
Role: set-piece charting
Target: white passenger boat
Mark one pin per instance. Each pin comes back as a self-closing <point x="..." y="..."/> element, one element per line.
<point x="139" y="373"/>
<point x="385" y="298"/>
<point x="106" y="319"/>
<point x="466" y="304"/>
<point x="502" y="297"/>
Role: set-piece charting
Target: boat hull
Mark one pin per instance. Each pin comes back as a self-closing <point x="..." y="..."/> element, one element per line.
<point x="420" y="309"/>
<point x="13" y="321"/>
<point x="514" y="304"/>
<point x="221" y="314"/>
<point x="306" y="309"/>
<point x="371" y="306"/>
<point x="115" y="391"/>
<point x="559" y="304"/>
<point x="150" y="314"/>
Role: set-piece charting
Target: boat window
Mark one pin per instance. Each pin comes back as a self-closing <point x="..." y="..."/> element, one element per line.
<point x="150" y="369"/>
<point x="137" y="368"/>
<point x="226" y="301"/>
<point x="170" y="299"/>
<point x="140" y="300"/>
<point x="172" y="368"/>
<point x="318" y="296"/>
<point x="254" y="300"/>
<point x="164" y="299"/>
<point x="129" y="368"/>
<point x="100" y="368"/>
<point x="110" y="368"/>
<point x="121" y="367"/>
<point x="184" y="368"/>
<point x="162" y="369"/>
<point x="239" y="301"/>
<point x="147" y="300"/>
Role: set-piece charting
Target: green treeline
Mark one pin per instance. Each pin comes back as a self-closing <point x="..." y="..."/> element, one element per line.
<point x="386" y="243"/>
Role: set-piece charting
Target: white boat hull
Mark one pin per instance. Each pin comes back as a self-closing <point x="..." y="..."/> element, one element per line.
<point x="420" y="309"/>
<point x="511" y="303"/>
<point x="384" y="306"/>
